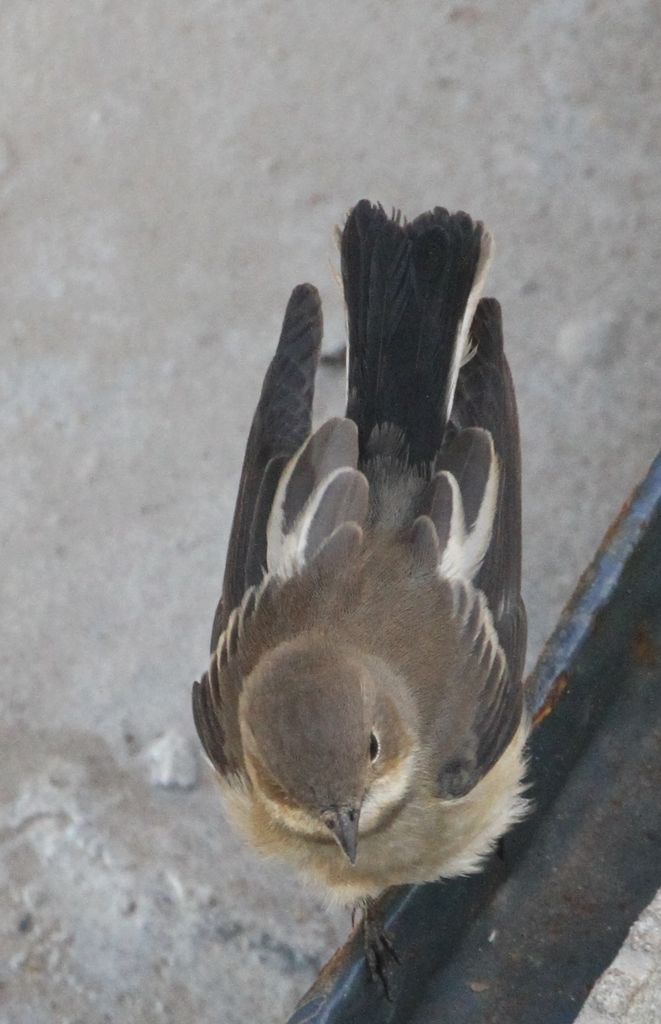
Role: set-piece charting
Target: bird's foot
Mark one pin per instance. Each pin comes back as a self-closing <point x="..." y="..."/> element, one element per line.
<point x="380" y="952"/>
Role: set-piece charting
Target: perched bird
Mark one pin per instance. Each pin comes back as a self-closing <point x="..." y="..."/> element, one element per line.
<point x="363" y="706"/>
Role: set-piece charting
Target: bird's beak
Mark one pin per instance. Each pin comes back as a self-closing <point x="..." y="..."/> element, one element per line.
<point x="343" y="823"/>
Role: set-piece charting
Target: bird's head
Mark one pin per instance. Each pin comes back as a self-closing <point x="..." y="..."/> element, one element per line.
<point x="326" y="744"/>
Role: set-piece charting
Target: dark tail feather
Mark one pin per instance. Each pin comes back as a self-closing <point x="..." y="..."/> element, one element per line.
<point x="411" y="291"/>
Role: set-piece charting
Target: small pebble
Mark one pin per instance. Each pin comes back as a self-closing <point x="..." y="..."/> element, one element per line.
<point x="173" y="762"/>
<point x="25" y="924"/>
<point x="592" y="339"/>
<point x="614" y="993"/>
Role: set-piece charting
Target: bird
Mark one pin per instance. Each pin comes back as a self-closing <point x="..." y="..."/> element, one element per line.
<point x="363" y="706"/>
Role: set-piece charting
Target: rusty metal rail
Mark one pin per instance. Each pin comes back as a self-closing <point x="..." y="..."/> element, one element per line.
<point x="526" y="939"/>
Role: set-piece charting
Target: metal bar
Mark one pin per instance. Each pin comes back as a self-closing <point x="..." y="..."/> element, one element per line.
<point x="526" y="939"/>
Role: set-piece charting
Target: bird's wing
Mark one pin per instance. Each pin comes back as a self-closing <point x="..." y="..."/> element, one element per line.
<point x="471" y="700"/>
<point x="300" y="505"/>
<point x="281" y="423"/>
<point x="216" y="695"/>
<point x="485" y="399"/>
<point x="474" y="504"/>
<point x="493" y="698"/>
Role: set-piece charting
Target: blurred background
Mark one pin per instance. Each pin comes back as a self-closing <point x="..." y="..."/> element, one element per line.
<point x="168" y="172"/>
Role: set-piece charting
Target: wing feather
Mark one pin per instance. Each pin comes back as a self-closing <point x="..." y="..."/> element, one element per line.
<point x="484" y="458"/>
<point x="281" y="423"/>
<point x="485" y="398"/>
<point x="496" y="699"/>
<point x="331" y="449"/>
<point x="342" y="499"/>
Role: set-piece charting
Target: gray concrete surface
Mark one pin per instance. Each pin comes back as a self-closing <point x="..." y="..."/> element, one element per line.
<point x="630" y="990"/>
<point x="167" y="173"/>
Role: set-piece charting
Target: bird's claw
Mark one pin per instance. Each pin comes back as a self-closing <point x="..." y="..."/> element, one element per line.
<point x="380" y="954"/>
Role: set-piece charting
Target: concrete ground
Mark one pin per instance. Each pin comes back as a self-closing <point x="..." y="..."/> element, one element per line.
<point x="167" y="173"/>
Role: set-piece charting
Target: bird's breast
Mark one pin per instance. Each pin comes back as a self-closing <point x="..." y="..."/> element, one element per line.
<point x="425" y="839"/>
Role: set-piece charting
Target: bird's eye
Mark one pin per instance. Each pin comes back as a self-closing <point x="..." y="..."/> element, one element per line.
<point x="374" y="747"/>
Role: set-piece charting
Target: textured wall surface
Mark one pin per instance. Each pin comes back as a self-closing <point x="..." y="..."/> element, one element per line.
<point x="167" y="173"/>
<point x="630" y="990"/>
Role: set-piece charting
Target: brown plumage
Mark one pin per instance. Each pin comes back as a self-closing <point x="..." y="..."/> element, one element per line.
<point x="363" y="706"/>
